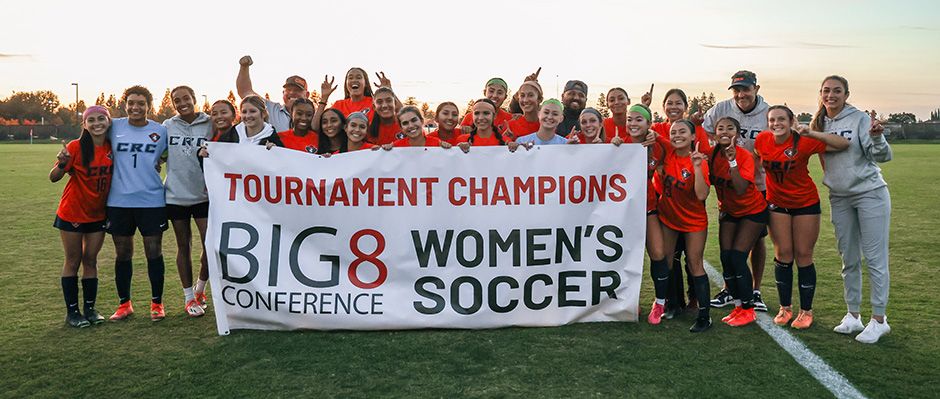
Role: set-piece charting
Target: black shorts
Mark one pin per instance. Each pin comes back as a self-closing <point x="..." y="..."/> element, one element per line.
<point x="184" y="212"/>
<point x="762" y="217"/>
<point x="124" y="221"/>
<point x="808" y="210"/>
<point x="83" y="228"/>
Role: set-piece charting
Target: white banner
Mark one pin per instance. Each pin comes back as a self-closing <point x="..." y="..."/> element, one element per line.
<point x="425" y="237"/>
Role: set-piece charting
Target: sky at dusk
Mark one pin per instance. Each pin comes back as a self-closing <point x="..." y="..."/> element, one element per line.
<point x="445" y="51"/>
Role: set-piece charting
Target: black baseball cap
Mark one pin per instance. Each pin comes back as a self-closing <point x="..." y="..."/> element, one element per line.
<point x="743" y="79"/>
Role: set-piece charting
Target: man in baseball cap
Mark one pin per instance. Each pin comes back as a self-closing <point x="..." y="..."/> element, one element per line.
<point x="574" y="98"/>
<point x="278" y="114"/>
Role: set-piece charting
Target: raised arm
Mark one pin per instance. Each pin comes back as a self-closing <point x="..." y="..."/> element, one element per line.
<point x="876" y="146"/>
<point x="243" y="80"/>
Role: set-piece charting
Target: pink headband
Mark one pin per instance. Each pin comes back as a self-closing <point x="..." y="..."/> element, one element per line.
<point x="95" y="109"/>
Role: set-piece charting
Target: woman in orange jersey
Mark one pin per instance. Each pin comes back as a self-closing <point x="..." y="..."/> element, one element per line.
<point x="638" y="121"/>
<point x="384" y="128"/>
<point x="682" y="209"/>
<point x="529" y="98"/>
<point x="332" y="135"/>
<point x="617" y="101"/>
<point x="412" y="127"/>
<point x="484" y="131"/>
<point x="592" y="128"/>
<point x="80" y="217"/>
<point x="301" y="137"/>
<point x="675" y="107"/>
<point x="743" y="216"/>
<point x="446" y="117"/>
<point x="793" y="200"/>
<point x="357" y="94"/>
<point x="496" y="90"/>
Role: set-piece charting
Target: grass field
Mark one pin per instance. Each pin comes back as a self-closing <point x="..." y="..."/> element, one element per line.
<point x="42" y="357"/>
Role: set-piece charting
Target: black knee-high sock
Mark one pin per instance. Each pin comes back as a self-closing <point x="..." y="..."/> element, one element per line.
<point x="70" y="293"/>
<point x="743" y="280"/>
<point x="123" y="270"/>
<point x="784" y="274"/>
<point x="90" y="292"/>
<point x="702" y="294"/>
<point x="729" y="274"/>
<point x="807" y="280"/>
<point x="659" y="271"/>
<point x="155" y="269"/>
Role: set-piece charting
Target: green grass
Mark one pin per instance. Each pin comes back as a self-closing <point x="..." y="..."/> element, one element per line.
<point x="42" y="357"/>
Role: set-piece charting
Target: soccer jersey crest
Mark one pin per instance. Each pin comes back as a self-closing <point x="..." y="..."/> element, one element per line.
<point x="400" y="135"/>
<point x="154" y="137"/>
<point x="111" y="157"/>
<point x="790" y="152"/>
<point x="686" y="174"/>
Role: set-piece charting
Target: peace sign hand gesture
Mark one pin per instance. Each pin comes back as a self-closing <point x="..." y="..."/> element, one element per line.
<point x="327" y="88"/>
<point x="383" y="81"/>
<point x="877" y="129"/>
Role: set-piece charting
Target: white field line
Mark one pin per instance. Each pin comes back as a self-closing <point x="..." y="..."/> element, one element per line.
<point x="834" y="381"/>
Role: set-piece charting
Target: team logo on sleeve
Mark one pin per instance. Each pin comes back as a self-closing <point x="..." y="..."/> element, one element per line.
<point x="686" y="174"/>
<point x="790" y="152"/>
<point x="154" y="137"/>
<point x="311" y="149"/>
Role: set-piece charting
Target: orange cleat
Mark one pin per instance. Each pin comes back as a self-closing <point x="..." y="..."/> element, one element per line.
<point x="193" y="309"/>
<point x="783" y="316"/>
<point x="123" y="311"/>
<point x="734" y="313"/>
<point x="744" y="317"/>
<point x="803" y="320"/>
<point x="656" y="314"/>
<point x="156" y="312"/>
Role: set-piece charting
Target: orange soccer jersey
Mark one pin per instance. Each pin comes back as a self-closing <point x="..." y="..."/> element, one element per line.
<point x="86" y="192"/>
<point x="429" y="142"/>
<point x="479" y="141"/>
<point x="307" y="142"/>
<point x="611" y="129"/>
<point x="679" y="207"/>
<point x="521" y="127"/>
<point x="453" y="140"/>
<point x="348" y="106"/>
<point x="749" y="203"/>
<point x="387" y="134"/>
<point x="656" y="154"/>
<point x="788" y="182"/>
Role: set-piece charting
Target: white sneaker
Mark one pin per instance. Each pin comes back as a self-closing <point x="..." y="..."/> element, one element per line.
<point x="850" y="324"/>
<point x="873" y="331"/>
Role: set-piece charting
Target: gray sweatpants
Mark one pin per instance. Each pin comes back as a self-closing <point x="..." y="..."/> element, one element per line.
<point x="861" y="224"/>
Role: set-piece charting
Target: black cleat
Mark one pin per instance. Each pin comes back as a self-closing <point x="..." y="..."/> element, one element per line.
<point x="722" y="299"/>
<point x="759" y="304"/>
<point x="76" y="320"/>
<point x="701" y="325"/>
<point x="93" y="316"/>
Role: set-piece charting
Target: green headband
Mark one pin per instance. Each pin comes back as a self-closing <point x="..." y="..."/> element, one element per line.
<point x="642" y="111"/>
<point x="555" y="102"/>
<point x="498" y="82"/>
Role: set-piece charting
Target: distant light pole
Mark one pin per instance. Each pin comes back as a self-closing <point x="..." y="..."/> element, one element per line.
<point x="76" y="98"/>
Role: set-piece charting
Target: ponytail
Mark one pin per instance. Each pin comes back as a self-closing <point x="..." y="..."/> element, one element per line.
<point x="87" y="148"/>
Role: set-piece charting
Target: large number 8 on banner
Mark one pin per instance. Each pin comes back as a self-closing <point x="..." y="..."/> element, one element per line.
<point x="370" y="257"/>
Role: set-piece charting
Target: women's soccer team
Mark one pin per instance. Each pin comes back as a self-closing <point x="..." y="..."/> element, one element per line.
<point x="755" y="156"/>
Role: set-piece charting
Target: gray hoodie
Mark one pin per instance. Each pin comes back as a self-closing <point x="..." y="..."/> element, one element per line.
<point x="752" y="123"/>
<point x="854" y="171"/>
<point x="185" y="184"/>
